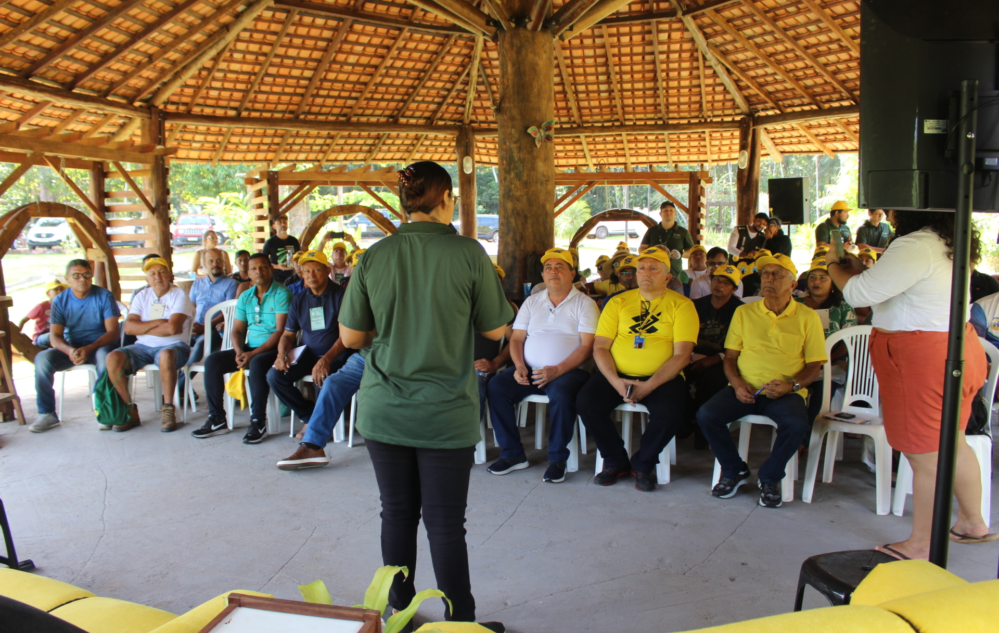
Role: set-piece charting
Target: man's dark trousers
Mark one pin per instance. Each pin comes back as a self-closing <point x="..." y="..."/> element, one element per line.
<point x="224" y="362"/>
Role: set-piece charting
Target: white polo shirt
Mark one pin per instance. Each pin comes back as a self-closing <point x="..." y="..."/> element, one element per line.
<point x="553" y="332"/>
<point x="175" y="301"/>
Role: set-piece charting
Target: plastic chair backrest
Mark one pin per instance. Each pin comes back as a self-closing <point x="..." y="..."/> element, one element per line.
<point x="123" y="309"/>
<point x="752" y="299"/>
<point x="861" y="383"/>
<point x="228" y="310"/>
<point x="990" y="385"/>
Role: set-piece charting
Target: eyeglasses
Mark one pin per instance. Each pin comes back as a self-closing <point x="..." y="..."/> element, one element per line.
<point x="772" y="274"/>
<point x="626" y="273"/>
<point x="79" y="276"/>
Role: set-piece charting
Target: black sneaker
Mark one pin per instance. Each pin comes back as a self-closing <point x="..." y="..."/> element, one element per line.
<point x="212" y="427"/>
<point x="726" y="488"/>
<point x="503" y="466"/>
<point x="257" y="432"/>
<point x="610" y="476"/>
<point x="495" y="627"/>
<point x="645" y="482"/>
<point x="769" y="495"/>
<point x="555" y="474"/>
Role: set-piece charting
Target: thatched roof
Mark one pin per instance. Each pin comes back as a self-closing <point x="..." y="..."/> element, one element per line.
<point x="383" y="81"/>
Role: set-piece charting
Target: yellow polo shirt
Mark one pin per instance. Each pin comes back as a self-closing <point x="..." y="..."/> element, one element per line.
<point x="776" y="346"/>
<point x="607" y="287"/>
<point x="672" y="319"/>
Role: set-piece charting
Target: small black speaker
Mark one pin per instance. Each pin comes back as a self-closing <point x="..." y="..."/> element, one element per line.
<point x="789" y="199"/>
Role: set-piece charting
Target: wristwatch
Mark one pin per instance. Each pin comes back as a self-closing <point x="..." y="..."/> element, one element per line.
<point x="796" y="388"/>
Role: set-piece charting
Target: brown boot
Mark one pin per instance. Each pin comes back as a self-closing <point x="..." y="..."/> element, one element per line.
<point x="169" y="420"/>
<point x="133" y="419"/>
<point x="304" y="457"/>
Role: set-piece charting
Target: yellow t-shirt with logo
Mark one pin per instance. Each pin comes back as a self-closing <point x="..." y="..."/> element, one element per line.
<point x="607" y="287"/>
<point x="672" y="319"/>
<point x="775" y="346"/>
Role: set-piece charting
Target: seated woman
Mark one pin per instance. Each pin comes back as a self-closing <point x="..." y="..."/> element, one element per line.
<point x="209" y="241"/>
<point x="821" y="294"/>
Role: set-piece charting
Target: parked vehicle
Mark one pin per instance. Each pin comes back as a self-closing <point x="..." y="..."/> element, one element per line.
<point x="605" y="229"/>
<point x="368" y="228"/>
<point x="190" y="229"/>
<point x="125" y="230"/>
<point x="49" y="233"/>
<point x="488" y="228"/>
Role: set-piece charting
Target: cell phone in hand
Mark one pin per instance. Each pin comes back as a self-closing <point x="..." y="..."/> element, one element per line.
<point x="627" y="392"/>
<point x="336" y="235"/>
<point x="837" y="243"/>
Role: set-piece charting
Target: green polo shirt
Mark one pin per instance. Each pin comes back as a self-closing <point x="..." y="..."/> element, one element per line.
<point x="675" y="238"/>
<point x="825" y="229"/>
<point x="425" y="291"/>
<point x="261" y="316"/>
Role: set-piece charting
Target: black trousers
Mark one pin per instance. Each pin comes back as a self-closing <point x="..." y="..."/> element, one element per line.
<point x="597" y="401"/>
<point x="434" y="481"/>
<point x="224" y="362"/>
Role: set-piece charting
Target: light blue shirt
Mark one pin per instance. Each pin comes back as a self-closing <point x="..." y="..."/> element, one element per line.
<point x="206" y="294"/>
<point x="261" y="316"/>
<point x="83" y="319"/>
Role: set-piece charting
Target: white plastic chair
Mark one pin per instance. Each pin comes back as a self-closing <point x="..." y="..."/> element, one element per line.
<point x="980" y="444"/>
<point x="540" y="408"/>
<point x="667" y="457"/>
<point x="745" y="427"/>
<point x="90" y="368"/>
<point x="228" y="310"/>
<point x="752" y="299"/>
<point x="338" y="434"/>
<point x="861" y="387"/>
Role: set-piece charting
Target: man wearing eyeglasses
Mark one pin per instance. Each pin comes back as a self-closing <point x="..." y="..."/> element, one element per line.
<point x="701" y="286"/>
<point x="261" y="313"/>
<point x="83" y="330"/>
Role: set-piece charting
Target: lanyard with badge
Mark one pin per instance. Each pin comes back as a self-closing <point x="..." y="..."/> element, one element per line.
<point x="647" y="315"/>
<point x="317" y="316"/>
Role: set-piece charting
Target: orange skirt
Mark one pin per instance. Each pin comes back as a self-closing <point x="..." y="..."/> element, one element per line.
<point x="910" y="369"/>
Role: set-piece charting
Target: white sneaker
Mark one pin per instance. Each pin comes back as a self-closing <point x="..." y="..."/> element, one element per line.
<point x="44" y="423"/>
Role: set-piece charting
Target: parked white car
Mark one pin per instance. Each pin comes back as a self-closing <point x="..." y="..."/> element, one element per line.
<point x="607" y="228"/>
<point x="49" y="233"/>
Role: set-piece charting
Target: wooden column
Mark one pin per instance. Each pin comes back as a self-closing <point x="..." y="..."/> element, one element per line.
<point x="273" y="197"/>
<point x="161" y="190"/>
<point x="465" y="148"/>
<point x="695" y="206"/>
<point x="526" y="172"/>
<point x="748" y="177"/>
<point x="97" y="196"/>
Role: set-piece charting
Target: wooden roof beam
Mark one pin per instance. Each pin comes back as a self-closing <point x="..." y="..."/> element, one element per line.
<point x="24" y="119"/>
<point x="60" y="96"/>
<point x="141" y="36"/>
<point x="423" y="80"/>
<point x="310" y="125"/>
<point x="485" y="82"/>
<point x="615" y="89"/>
<point x="374" y="150"/>
<point x="376" y="75"/>
<point x="267" y="62"/>
<point x="197" y="93"/>
<point x="460" y="13"/>
<point x="803" y="116"/>
<point x="72" y="185"/>
<point x="29" y="161"/>
<point x="849" y="133"/>
<point x="768" y="143"/>
<point x="651" y="128"/>
<point x="69" y="120"/>
<point x="331" y="11"/>
<point x="39" y="18"/>
<point x="703" y="90"/>
<point x="447" y="98"/>
<point x="746" y="79"/>
<point x="660" y="84"/>
<point x="669" y="14"/>
<point x="97" y="127"/>
<point x="835" y="28"/>
<point x="538" y="14"/>
<point x="324" y="64"/>
<point x="416" y="148"/>
<point x="598" y="12"/>
<point x="815" y="140"/>
<point x="570" y="92"/>
<point x="702" y="45"/>
<point x="498" y="9"/>
<point x="586" y="153"/>
<point x="568" y="14"/>
<point x="669" y="155"/>
<point x="473" y="80"/>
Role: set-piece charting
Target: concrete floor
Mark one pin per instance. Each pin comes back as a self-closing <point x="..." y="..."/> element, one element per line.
<point x="170" y="521"/>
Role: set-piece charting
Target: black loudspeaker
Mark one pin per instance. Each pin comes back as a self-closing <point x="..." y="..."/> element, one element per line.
<point x="788" y="199"/>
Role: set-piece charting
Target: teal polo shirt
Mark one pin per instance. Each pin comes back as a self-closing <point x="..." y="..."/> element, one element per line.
<point x="425" y="291"/>
<point x="261" y="316"/>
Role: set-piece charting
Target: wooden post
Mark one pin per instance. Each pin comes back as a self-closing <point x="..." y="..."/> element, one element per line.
<point x="465" y="149"/>
<point x="695" y="206"/>
<point x="748" y="177"/>
<point x="97" y="196"/>
<point x="526" y="172"/>
<point x="161" y="190"/>
<point x="273" y="198"/>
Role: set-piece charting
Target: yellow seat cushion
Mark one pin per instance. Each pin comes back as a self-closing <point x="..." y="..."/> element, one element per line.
<point x="969" y="608"/>
<point x="891" y="581"/>
<point x="196" y="619"/>
<point x="39" y="592"/>
<point x="453" y="627"/>
<point x="109" y="615"/>
<point x="844" y="619"/>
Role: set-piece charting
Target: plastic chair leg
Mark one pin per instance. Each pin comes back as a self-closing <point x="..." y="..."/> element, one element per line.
<point x="832" y="442"/>
<point x="839" y="448"/>
<point x="539" y="424"/>
<point x="812" y="466"/>
<point x="883" y="473"/>
<point x="62" y="394"/>
<point x="982" y="446"/>
<point x="572" y="465"/>
<point x="663" y="467"/>
<point x="353" y="421"/>
<point x="480" y="446"/>
<point x="903" y="486"/>
<point x="582" y="438"/>
<point x="338" y="432"/>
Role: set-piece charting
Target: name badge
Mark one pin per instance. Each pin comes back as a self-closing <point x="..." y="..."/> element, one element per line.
<point x="317" y="318"/>
<point x="156" y="311"/>
<point x="639" y="341"/>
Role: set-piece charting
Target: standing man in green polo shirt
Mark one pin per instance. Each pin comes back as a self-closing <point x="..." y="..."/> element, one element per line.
<point x="675" y="238"/>
<point x="838" y="216"/>
<point x="261" y="312"/>
<point x="875" y="234"/>
<point x="416" y="299"/>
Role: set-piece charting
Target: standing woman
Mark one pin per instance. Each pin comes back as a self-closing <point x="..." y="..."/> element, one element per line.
<point x="909" y="290"/>
<point x="209" y="241"/>
<point x="416" y="299"/>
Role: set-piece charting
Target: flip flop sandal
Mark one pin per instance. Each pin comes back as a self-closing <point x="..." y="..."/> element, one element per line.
<point x="967" y="538"/>
<point x="891" y="551"/>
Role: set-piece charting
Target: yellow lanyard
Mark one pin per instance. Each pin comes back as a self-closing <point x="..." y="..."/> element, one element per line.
<point x="648" y="313"/>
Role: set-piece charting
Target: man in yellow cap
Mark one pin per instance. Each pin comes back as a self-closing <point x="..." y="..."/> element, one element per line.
<point x="314" y="313"/>
<point x="339" y="266"/>
<point x="83" y="329"/>
<point x="867" y="256"/>
<point x="295" y="283"/>
<point x="552" y="338"/>
<point x="644" y="340"/>
<point x="774" y="349"/>
<point x="611" y="285"/>
<point x="838" y="216"/>
<point x="160" y="317"/>
<point x="697" y="272"/>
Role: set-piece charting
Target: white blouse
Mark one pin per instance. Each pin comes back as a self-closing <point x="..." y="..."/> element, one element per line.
<point x="908" y="287"/>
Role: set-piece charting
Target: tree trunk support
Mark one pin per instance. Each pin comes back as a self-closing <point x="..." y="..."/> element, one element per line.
<point x="161" y="190"/>
<point x="695" y="206"/>
<point x="748" y="177"/>
<point x="465" y="148"/>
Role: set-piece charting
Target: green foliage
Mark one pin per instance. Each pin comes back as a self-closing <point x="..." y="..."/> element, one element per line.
<point x="569" y="221"/>
<point x="189" y="182"/>
<point x="41" y="184"/>
<point x="231" y="209"/>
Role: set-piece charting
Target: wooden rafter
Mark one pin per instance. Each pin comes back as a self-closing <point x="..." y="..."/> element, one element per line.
<point x="485" y="83"/>
<point x="586" y="153"/>
<point x="329" y="150"/>
<point x="704" y="92"/>
<point x="380" y="200"/>
<point x="39" y="18"/>
<point x="768" y="143"/>
<point x="133" y="186"/>
<point x="19" y="171"/>
<point x="374" y="150"/>
<point x="473" y="80"/>
<point x="450" y="93"/>
<point x="802" y="116"/>
<point x="100" y="125"/>
<point x="669" y="155"/>
<point x="746" y="79"/>
<point x="568" y="13"/>
<point x="68" y="121"/>
<point x="598" y="12"/>
<point x="332" y="11"/>
<point x="25" y="118"/>
<point x="615" y="89"/>
<point x="570" y="92"/>
<point x="44" y="92"/>
<point x="660" y="83"/>
<point x="460" y="13"/>
<point x="416" y="148"/>
<point x="571" y="190"/>
<point x="579" y="194"/>
<point x="197" y="93"/>
<point x="668" y="14"/>
<point x="849" y="133"/>
<point x="538" y="14"/>
<point x="833" y="26"/>
<point x="815" y="140"/>
<point x="627" y="151"/>
<point x="431" y="69"/>
<point x="707" y="146"/>
<point x="72" y="185"/>
<point x="702" y="45"/>
<point x="376" y="75"/>
<point x="498" y="9"/>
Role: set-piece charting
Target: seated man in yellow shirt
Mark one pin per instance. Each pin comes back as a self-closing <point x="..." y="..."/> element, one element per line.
<point x="644" y="338"/>
<point x="774" y="349"/>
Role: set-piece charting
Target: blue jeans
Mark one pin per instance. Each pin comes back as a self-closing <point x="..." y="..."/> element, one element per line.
<point x="142" y="355"/>
<point x="788" y="412"/>
<point x="337" y="390"/>
<point x="504" y="395"/>
<point x="48" y="362"/>
<point x="42" y="340"/>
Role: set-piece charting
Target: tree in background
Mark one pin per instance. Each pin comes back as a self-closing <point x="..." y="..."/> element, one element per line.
<point x="569" y="221"/>
<point x="230" y="209"/>
<point x="189" y="182"/>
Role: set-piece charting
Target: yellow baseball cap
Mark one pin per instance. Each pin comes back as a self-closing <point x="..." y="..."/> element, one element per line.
<point x="870" y="252"/>
<point x="782" y="261"/>
<point x="357" y="254"/>
<point x="695" y="248"/>
<point x="821" y="250"/>
<point x="602" y="259"/>
<point x="628" y="262"/>
<point x="313" y="256"/>
<point x="623" y="246"/>
<point x="500" y="271"/>
<point x="297" y="256"/>
<point x="729" y="271"/>
<point x="340" y="245"/>
<point x="154" y="261"/>
<point x="52" y="285"/>
<point x="819" y="263"/>
<point x="656" y="253"/>
<point x="558" y="253"/>
<point x="764" y="253"/>
<point x="840" y="205"/>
